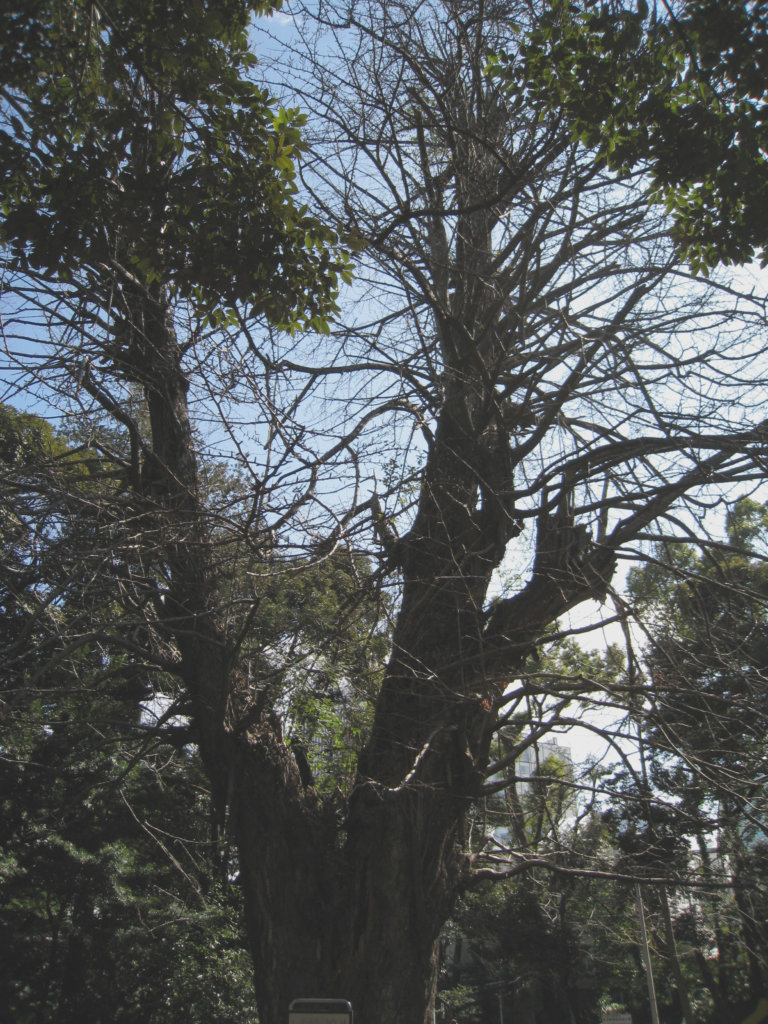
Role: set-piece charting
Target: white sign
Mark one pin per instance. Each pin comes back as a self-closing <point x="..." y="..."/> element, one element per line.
<point x="305" y="1017"/>
<point x="616" y="1017"/>
<point x="320" y="1011"/>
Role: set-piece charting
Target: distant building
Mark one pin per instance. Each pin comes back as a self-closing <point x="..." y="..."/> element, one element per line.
<point x="529" y="765"/>
<point x="532" y="758"/>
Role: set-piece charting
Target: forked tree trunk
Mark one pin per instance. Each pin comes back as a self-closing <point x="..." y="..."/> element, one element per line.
<point x="342" y="900"/>
<point x="359" y="922"/>
<point x="349" y="901"/>
<point x="346" y="899"/>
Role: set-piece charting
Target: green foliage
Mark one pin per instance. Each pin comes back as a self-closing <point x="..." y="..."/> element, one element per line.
<point x="112" y="908"/>
<point x="106" y="837"/>
<point x="568" y="660"/>
<point x="710" y="644"/>
<point x="681" y="97"/>
<point x="706" y="742"/>
<point x="25" y="438"/>
<point x="327" y="635"/>
<point x="692" y="804"/>
<point x="133" y="135"/>
<point x="510" y="944"/>
<point x="115" y="905"/>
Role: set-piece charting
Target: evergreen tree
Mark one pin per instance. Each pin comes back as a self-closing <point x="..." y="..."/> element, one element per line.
<point x="116" y="904"/>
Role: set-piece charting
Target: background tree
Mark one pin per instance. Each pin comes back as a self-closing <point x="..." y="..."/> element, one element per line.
<point x="530" y="376"/>
<point x="637" y="822"/>
<point x="116" y="904"/>
<point x="524" y="948"/>
<point x="706" y="657"/>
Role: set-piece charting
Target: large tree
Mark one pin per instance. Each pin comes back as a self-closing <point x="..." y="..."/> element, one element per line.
<point x="522" y="369"/>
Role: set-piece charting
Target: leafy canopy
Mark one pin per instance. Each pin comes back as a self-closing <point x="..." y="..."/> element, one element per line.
<point x="682" y="96"/>
<point x="132" y="134"/>
<point x="708" y="628"/>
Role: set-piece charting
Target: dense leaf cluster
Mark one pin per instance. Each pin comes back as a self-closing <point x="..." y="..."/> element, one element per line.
<point x="679" y="92"/>
<point x="182" y="166"/>
<point x="115" y="903"/>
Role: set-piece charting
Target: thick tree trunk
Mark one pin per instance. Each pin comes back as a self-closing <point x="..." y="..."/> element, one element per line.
<point x="349" y="902"/>
<point x="341" y="901"/>
<point x="358" y="922"/>
<point x="346" y="899"/>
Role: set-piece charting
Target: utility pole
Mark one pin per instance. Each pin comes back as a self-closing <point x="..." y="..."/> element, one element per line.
<point x="647" y="956"/>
